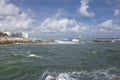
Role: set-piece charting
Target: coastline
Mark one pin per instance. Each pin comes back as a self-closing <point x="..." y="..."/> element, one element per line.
<point x="14" y="41"/>
<point x="102" y="40"/>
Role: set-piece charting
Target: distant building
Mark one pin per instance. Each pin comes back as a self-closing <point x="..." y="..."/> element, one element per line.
<point x="8" y="33"/>
<point x="20" y="35"/>
<point x="25" y="35"/>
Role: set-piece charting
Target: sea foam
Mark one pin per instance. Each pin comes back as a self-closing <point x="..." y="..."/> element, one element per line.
<point x="65" y="42"/>
<point x="33" y="55"/>
<point x="109" y="74"/>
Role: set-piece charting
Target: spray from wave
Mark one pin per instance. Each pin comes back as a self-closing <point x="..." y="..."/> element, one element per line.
<point x="33" y="55"/>
<point x="65" y="42"/>
<point x="109" y="74"/>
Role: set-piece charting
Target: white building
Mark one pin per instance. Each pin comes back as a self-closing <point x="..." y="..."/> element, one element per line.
<point x="19" y="35"/>
<point x="8" y="33"/>
<point x="25" y="35"/>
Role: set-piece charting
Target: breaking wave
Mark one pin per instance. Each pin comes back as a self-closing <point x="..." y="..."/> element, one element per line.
<point x="65" y="42"/>
<point x="33" y="55"/>
<point x="110" y="74"/>
<point x="29" y="54"/>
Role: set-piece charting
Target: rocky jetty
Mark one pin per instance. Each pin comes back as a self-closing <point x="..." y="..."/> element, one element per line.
<point x="25" y="41"/>
<point x="102" y="40"/>
<point x="6" y="41"/>
<point x="113" y="40"/>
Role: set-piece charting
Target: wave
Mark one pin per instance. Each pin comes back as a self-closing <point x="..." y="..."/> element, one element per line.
<point x="28" y="55"/>
<point x="109" y="74"/>
<point x="65" y="42"/>
<point x="33" y="55"/>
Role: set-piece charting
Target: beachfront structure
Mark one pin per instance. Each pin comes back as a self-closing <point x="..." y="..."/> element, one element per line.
<point x="19" y="35"/>
<point x="8" y="33"/>
<point x="25" y="35"/>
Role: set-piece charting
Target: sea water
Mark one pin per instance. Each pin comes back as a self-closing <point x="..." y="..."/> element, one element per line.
<point x="88" y="61"/>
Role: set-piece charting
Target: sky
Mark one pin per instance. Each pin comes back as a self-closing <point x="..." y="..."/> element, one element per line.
<point x="61" y="18"/>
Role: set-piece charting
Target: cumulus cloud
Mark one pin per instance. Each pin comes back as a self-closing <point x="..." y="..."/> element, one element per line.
<point x="83" y="10"/>
<point x="58" y="24"/>
<point x="109" y="26"/>
<point x="20" y="22"/>
<point x="116" y="12"/>
<point x="9" y="10"/>
<point x="12" y="18"/>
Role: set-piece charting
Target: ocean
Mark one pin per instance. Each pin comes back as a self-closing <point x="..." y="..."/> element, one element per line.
<point x="84" y="61"/>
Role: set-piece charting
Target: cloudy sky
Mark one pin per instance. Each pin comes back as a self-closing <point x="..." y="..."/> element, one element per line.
<point x="62" y="18"/>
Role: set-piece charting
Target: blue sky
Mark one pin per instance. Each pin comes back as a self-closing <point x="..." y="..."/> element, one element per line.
<point x="62" y="18"/>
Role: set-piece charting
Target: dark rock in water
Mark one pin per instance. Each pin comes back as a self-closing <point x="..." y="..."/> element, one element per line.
<point x="102" y="40"/>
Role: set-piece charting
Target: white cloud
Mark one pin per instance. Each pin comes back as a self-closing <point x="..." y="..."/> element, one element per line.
<point x="8" y="9"/>
<point x="58" y="24"/>
<point x="12" y="18"/>
<point x="83" y="10"/>
<point x="108" y="26"/>
<point x="103" y="30"/>
<point x="116" y="12"/>
<point x="21" y="21"/>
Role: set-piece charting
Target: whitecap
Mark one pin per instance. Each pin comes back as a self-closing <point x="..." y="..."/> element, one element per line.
<point x="33" y="55"/>
<point x="109" y="74"/>
<point x="65" y="42"/>
<point x="64" y="76"/>
<point x="49" y="77"/>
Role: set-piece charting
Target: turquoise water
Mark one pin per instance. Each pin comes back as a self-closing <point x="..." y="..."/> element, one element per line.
<point x="85" y="61"/>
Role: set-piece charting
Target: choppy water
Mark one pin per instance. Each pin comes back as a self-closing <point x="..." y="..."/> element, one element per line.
<point x="88" y="61"/>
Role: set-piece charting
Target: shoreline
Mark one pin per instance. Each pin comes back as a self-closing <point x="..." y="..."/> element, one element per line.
<point x="6" y="41"/>
<point x="22" y="40"/>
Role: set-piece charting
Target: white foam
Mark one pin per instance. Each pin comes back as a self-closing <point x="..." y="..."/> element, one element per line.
<point x="33" y="55"/>
<point x="64" y="76"/>
<point x="108" y="74"/>
<point x="49" y="77"/>
<point x="65" y="42"/>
